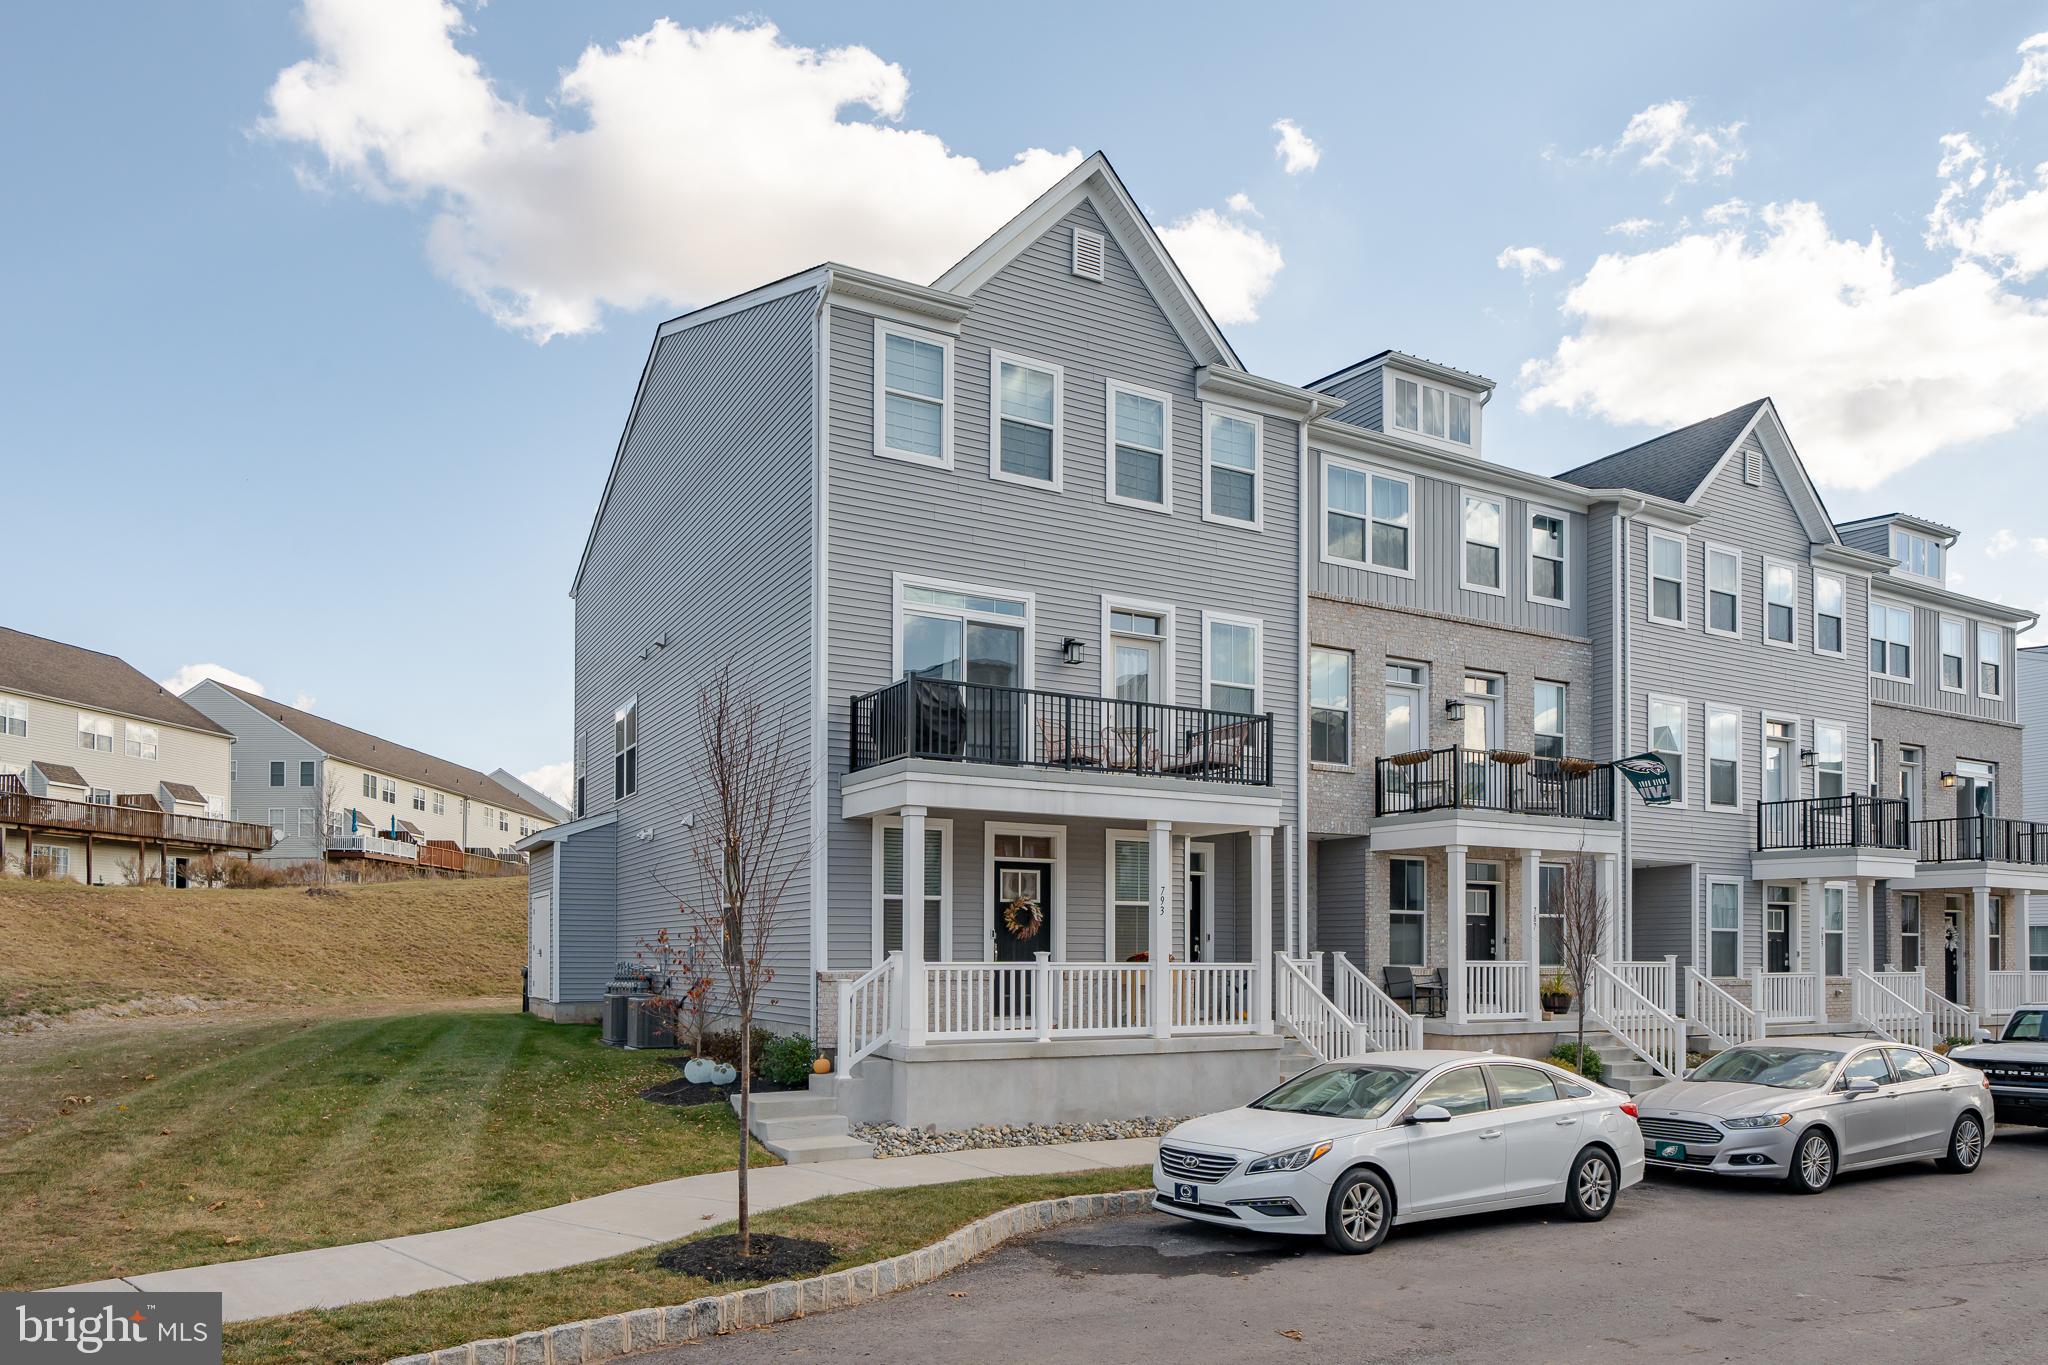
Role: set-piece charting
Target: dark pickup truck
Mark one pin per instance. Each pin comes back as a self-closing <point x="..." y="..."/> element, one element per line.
<point x="2017" y="1067"/>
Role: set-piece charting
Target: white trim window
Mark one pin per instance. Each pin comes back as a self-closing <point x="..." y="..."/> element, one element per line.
<point x="1406" y="723"/>
<point x="1955" y="658"/>
<point x="1724" y="759"/>
<point x="1550" y="879"/>
<point x="1433" y="411"/>
<point x="1483" y="564"/>
<point x="1830" y="761"/>
<point x="1407" y="912"/>
<point x="100" y="796"/>
<point x="1369" y="519"/>
<point x="1129" y="877"/>
<point x="387" y="791"/>
<point x="1834" y="928"/>
<point x="887" y="929"/>
<point x="1329" y="706"/>
<point x="963" y="632"/>
<point x="1909" y="931"/>
<point x="1918" y="555"/>
<point x="95" y="733"/>
<point x="1231" y="442"/>
<point x="14" y="717"/>
<point x="1233" y="651"/>
<point x="1891" y="641"/>
<point x="1724" y="927"/>
<point x="419" y="798"/>
<point x="51" y="860"/>
<point x="625" y="750"/>
<point x="278" y="769"/>
<point x="1547" y="722"/>
<point x="1140" y="454"/>
<point x="1724" y="591"/>
<point x="309" y="770"/>
<point x="1549" y="535"/>
<point x="369" y="783"/>
<point x="1137" y="653"/>
<point x="1781" y="604"/>
<point x="913" y="395"/>
<point x="1666" y="721"/>
<point x="140" y="741"/>
<point x="1830" y="614"/>
<point x="1665" y="581"/>
<point x="1026" y="402"/>
<point x="1990" y="662"/>
<point x="440" y="803"/>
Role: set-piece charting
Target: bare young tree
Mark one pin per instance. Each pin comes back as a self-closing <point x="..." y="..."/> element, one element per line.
<point x="681" y="964"/>
<point x="1582" y="931"/>
<point x="748" y="774"/>
<point x="328" y="794"/>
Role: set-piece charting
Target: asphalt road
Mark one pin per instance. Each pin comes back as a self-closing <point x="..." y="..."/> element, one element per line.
<point x="1907" y="1264"/>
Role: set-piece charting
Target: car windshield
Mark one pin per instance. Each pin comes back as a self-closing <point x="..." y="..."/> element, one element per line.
<point x="2027" y="1026"/>
<point x="1782" y="1068"/>
<point x="1343" y="1092"/>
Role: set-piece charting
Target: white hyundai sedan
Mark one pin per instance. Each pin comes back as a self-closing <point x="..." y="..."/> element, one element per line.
<point x="1352" y="1148"/>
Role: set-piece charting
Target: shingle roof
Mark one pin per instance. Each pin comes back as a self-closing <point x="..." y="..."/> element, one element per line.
<point x="88" y="678"/>
<point x="61" y="773"/>
<point x="1672" y="465"/>
<point x="381" y="755"/>
<point x="185" y="791"/>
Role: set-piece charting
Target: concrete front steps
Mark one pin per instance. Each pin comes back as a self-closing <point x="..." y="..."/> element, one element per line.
<point x="1623" y="1070"/>
<point x="802" y="1126"/>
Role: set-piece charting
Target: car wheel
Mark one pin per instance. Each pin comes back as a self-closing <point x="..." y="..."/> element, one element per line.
<point x="1361" y="1210"/>
<point x="1590" y="1189"/>
<point x="1965" y="1145"/>
<point x="1813" y="1163"/>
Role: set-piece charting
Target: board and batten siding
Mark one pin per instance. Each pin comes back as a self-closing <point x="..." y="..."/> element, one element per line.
<point x="705" y="541"/>
<point x="1925" y="691"/>
<point x="1066" y="548"/>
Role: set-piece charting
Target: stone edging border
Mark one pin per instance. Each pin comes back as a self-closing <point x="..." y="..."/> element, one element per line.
<point x="621" y="1334"/>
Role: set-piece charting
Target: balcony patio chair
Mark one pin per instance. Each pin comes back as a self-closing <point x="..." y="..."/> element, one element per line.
<point x="1220" y="748"/>
<point x="1059" y="745"/>
<point x="1124" y="747"/>
<point x="1400" y="983"/>
<point x="1430" y="991"/>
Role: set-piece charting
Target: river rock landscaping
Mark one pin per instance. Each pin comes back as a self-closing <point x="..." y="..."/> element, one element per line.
<point x="890" y="1140"/>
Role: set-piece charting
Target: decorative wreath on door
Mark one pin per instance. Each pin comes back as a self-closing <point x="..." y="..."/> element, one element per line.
<point x="1024" y="917"/>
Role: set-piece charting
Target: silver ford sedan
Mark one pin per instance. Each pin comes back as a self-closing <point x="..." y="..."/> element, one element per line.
<point x="1803" y="1109"/>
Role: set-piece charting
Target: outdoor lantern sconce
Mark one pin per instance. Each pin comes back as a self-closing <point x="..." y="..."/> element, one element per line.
<point x="1806" y="758"/>
<point x="1948" y="780"/>
<point x="1454" y="708"/>
<point x="1073" y="651"/>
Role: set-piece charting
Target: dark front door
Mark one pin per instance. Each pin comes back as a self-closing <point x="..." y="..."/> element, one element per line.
<point x="1020" y="885"/>
<point x="1481" y="927"/>
<point x="1952" y="954"/>
<point x="1198" y="902"/>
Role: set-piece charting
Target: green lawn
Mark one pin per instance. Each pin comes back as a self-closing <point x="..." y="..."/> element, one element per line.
<point x="141" y="1147"/>
<point x="860" y="1227"/>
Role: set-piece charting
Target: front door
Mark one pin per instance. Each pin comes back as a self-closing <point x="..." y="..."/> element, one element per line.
<point x="1020" y="886"/>
<point x="1777" y="929"/>
<point x="1482" y="926"/>
<point x="1200" y="929"/>
<point x="1952" y="952"/>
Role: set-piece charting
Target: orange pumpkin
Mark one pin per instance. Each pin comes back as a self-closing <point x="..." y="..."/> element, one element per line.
<point x="822" y="1066"/>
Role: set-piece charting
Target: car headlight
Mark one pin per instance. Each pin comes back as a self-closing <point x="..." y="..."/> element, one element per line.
<point x="1288" y="1161"/>
<point x="1758" y="1121"/>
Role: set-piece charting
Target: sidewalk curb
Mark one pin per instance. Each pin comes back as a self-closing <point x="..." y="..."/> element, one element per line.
<point x="621" y="1334"/>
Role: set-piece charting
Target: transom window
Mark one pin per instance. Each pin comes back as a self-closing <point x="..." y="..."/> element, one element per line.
<point x="1546" y="557"/>
<point x="1954" y="662"/>
<point x="1406" y="911"/>
<point x="1432" y="411"/>
<point x="1140" y="454"/>
<point x="1829" y="612"/>
<point x="13" y="717"/>
<point x="1029" y="847"/>
<point x="1329" y="700"/>
<point x="1370" y="517"/>
<point x="1667" y="578"/>
<point x="96" y="733"/>
<point x="1918" y="555"/>
<point x="1230" y="664"/>
<point x="1781" y="599"/>
<point x="1484" y="521"/>
<point x="1026" y="420"/>
<point x="1990" y="662"/>
<point x="911" y="377"/>
<point x="625" y="752"/>
<point x="1231" y="443"/>
<point x="1724" y="759"/>
<point x="1891" y="641"/>
<point x="1724" y="591"/>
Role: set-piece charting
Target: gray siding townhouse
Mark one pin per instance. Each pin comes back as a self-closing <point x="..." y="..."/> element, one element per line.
<point x="1017" y="559"/>
<point x="2031" y="671"/>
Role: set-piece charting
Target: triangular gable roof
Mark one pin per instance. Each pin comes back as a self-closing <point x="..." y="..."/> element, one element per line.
<point x="1096" y="181"/>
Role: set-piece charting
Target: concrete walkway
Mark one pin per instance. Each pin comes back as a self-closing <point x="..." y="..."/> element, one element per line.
<point x="588" y="1229"/>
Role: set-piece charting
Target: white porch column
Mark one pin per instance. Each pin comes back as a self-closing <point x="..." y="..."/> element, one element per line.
<point x="1454" y="934"/>
<point x="1980" y="950"/>
<point x="1866" y="901"/>
<point x="1262" y="929"/>
<point x="1531" y="882"/>
<point x="915" y="1019"/>
<point x="1605" y="868"/>
<point x="1816" y="945"/>
<point x="1293" y="911"/>
<point x="1159" y="941"/>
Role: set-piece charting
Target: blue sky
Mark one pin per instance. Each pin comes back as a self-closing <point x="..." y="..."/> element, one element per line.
<point x="350" y="299"/>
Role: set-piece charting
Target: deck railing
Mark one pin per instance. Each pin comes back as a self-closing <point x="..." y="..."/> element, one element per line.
<point x="920" y="717"/>
<point x="1949" y="1019"/>
<point x="1042" y="1000"/>
<point x="1854" y="821"/>
<point x="1647" y="1029"/>
<point x="1789" y="997"/>
<point x="1981" y="838"/>
<point x="1655" y="981"/>
<point x="2010" y="990"/>
<point x="1497" y="990"/>
<point x="1483" y="779"/>
<point x="19" y="809"/>
<point x="374" y="846"/>
<point x="1311" y="1016"/>
<point x="1210" y="997"/>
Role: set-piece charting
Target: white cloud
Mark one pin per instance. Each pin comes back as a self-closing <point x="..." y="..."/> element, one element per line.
<point x="2002" y="541"/>
<point x="1632" y="227"/>
<point x="1664" y="137"/>
<point x="2038" y="544"/>
<point x="1231" y="264"/>
<point x="191" y="675"/>
<point x="2030" y="78"/>
<point x="674" y="167"/>
<point x="1871" y="372"/>
<point x="304" y="701"/>
<point x="1988" y="213"/>
<point x="1242" y="203"/>
<point x="1530" y="260"/>
<point x="556" y="780"/>
<point x="1726" y="212"/>
<point x="1296" y="150"/>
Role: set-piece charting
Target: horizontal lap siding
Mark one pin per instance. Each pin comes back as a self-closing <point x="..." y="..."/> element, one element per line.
<point x="588" y="915"/>
<point x="1362" y="394"/>
<point x="260" y="741"/>
<point x="1068" y="548"/>
<point x="707" y="538"/>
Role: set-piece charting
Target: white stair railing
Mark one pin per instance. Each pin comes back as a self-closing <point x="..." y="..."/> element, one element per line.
<point x="1788" y="997"/>
<point x="1875" y="1004"/>
<point x="1948" y="1019"/>
<point x="1375" y="1013"/>
<point x="1715" y="1012"/>
<point x="1657" y="980"/>
<point x="868" y="1011"/>
<point x="1643" y="1026"/>
<point x="1497" y="990"/>
<point x="1309" y="1014"/>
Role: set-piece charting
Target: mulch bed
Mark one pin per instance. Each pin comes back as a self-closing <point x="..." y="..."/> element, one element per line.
<point x="718" y="1259"/>
<point x="682" y="1093"/>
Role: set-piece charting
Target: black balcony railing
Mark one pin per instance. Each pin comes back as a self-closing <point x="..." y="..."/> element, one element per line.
<point x="1854" y="821"/>
<point x="1481" y="779"/>
<point x="1023" y="727"/>
<point x="1981" y="838"/>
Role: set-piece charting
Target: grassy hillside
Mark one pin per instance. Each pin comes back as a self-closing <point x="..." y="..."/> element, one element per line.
<point x="71" y="947"/>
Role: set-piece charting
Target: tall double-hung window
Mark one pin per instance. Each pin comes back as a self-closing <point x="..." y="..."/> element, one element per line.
<point x="1329" y="700"/>
<point x="913" y="374"/>
<point x="626" y="750"/>
<point x="1667" y="741"/>
<point x="1724" y="590"/>
<point x="1891" y="641"/>
<point x="1990" y="662"/>
<point x="1781" y="603"/>
<point x="1829" y="613"/>
<point x="1485" y="523"/>
<point x="1546" y="557"/>
<point x="1140" y="447"/>
<point x="1230" y="664"/>
<point x="1954" y="661"/>
<point x="1230" y="443"/>
<point x="1667" y="578"/>
<point x="1026" y="420"/>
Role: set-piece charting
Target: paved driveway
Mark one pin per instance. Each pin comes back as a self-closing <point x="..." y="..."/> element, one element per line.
<point x="1903" y="1265"/>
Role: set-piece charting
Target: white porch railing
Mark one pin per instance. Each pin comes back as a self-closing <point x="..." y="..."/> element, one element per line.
<point x="867" y="1011"/>
<point x="1891" y="1005"/>
<point x="1789" y="997"/>
<point x="1656" y="981"/>
<point x="968" y="1000"/>
<point x="1646" y="1028"/>
<point x="1375" y="1013"/>
<point x="1098" y="999"/>
<point x="1497" y="990"/>
<point x="1211" y="997"/>
<point x="1723" y="1017"/>
<point x="2010" y="990"/>
<point x="1299" y="1004"/>
<point x="1949" y="1019"/>
<point x="375" y="845"/>
<point x="1042" y="999"/>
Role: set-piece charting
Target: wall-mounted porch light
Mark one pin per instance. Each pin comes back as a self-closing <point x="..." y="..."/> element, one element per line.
<point x="1454" y="708"/>
<point x="1948" y="779"/>
<point x="1073" y="650"/>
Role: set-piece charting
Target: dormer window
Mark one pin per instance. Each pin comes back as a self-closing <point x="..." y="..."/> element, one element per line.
<point x="1917" y="554"/>
<point x="1429" y="410"/>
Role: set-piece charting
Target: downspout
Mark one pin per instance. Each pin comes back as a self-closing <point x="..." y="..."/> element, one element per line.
<point x="1625" y="880"/>
<point x="821" y="758"/>
<point x="1297" y="848"/>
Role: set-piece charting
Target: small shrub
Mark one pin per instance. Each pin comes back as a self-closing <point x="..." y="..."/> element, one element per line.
<point x="787" y="1061"/>
<point x="724" y="1046"/>
<point x="1585" y="1061"/>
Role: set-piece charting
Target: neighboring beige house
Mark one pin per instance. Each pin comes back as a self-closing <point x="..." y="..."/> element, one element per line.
<point x="105" y="777"/>
<point x="336" y="792"/>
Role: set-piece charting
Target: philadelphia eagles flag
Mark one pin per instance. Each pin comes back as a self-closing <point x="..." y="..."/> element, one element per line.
<point x="1650" y="776"/>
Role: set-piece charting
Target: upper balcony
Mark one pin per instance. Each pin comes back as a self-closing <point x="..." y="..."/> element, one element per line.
<point x="1963" y="852"/>
<point x="1493" y="798"/>
<point x="1852" y="836"/>
<point x="135" y="824"/>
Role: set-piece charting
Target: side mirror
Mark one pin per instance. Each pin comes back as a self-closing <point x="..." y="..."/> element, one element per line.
<point x="1430" y="1113"/>
<point x="1861" y="1085"/>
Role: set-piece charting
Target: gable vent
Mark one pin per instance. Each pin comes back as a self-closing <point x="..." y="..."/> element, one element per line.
<point x="1753" y="467"/>
<point x="1088" y="253"/>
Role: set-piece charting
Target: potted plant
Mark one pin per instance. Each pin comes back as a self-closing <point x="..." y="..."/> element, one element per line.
<point x="1413" y="758"/>
<point x="1509" y="758"/>
<point x="1556" y="994"/>
<point x="1577" y="767"/>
